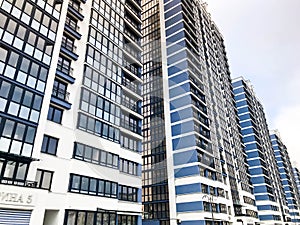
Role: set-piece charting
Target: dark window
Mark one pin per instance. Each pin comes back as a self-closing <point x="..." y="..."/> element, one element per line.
<point x="44" y="179"/>
<point x="128" y="193"/>
<point x="99" y="187"/>
<point x="68" y="43"/>
<point x="64" y="65"/>
<point x="93" y="186"/>
<point x="60" y="90"/>
<point x="99" y="128"/>
<point x="128" y="167"/>
<point x="94" y="155"/>
<point x="54" y="114"/>
<point x="128" y="220"/>
<point x="88" y="218"/>
<point x="49" y="145"/>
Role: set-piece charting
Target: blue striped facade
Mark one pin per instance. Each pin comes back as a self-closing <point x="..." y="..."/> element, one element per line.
<point x="258" y="149"/>
<point x="288" y="180"/>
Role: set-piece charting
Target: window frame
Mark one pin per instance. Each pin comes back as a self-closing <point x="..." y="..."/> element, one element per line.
<point x="41" y="180"/>
<point x="52" y="116"/>
<point x="46" y="145"/>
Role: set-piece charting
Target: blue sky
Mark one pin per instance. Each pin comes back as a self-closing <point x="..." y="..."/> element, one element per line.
<point x="262" y="39"/>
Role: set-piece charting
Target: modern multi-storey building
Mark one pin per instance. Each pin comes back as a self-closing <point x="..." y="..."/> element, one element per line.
<point x="286" y="175"/>
<point x="194" y="165"/>
<point x="297" y="178"/>
<point x="70" y="112"/>
<point x="268" y="190"/>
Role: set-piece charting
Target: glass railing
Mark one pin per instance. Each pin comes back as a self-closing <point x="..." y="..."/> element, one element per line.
<point x="72" y="24"/>
<point x="60" y="93"/>
<point x="133" y="23"/>
<point x="131" y="86"/>
<point x="65" y="69"/>
<point x="75" y="6"/>
<point x="68" y="45"/>
<point x="133" y="10"/>
<point x="22" y="183"/>
<point x="130" y="105"/>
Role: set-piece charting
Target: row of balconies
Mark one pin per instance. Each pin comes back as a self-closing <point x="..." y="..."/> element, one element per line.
<point x="68" y="53"/>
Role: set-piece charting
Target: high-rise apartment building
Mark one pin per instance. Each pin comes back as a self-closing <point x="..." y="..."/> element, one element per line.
<point x="194" y="164"/>
<point x="287" y="177"/>
<point x="297" y="178"/>
<point x="70" y="112"/>
<point x="268" y="190"/>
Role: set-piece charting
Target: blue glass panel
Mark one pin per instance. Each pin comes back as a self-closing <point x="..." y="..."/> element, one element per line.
<point x="177" y="103"/>
<point x="179" y="90"/>
<point x="185" y="157"/>
<point x="187" y="171"/>
<point x="184" y="142"/>
<point x="189" y="206"/>
<point x="181" y="115"/>
<point x="189" y="188"/>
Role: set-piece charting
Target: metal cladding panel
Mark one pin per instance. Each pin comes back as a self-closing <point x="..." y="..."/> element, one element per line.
<point x="14" y="217"/>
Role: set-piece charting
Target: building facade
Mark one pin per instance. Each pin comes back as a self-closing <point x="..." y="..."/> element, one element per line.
<point x="268" y="190"/>
<point x="297" y="178"/>
<point x="70" y="112"/>
<point x="193" y="164"/>
<point x="287" y="177"/>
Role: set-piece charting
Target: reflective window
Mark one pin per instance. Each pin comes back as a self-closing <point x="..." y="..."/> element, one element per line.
<point x="98" y="128"/>
<point x="49" y="145"/>
<point x="94" y="155"/>
<point x="16" y="138"/>
<point x="54" y="114"/>
<point x="100" y="107"/>
<point x="128" y="167"/>
<point x="88" y="218"/>
<point x="93" y="186"/>
<point x="127" y="193"/>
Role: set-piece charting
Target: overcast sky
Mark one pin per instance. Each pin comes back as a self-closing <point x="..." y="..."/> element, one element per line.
<point x="262" y="38"/>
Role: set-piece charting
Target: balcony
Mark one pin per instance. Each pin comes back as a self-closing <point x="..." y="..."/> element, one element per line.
<point x="137" y="3"/>
<point x="132" y="106"/>
<point x="205" y="146"/>
<point x="133" y="38"/>
<point x="65" y="73"/>
<point x="133" y="11"/>
<point x="132" y="52"/>
<point x="68" y="48"/>
<point x="133" y="23"/>
<point x="74" y="8"/>
<point x="136" y="88"/>
<point x="200" y="117"/>
<point x="202" y="131"/>
<point x="16" y="182"/>
<point x="199" y="106"/>
<point x="60" y="97"/>
<point x="132" y="127"/>
<point x="72" y="28"/>
<point x="135" y="70"/>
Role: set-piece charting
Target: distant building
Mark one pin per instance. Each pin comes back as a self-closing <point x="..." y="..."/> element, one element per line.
<point x="268" y="190"/>
<point x="194" y="164"/>
<point x="287" y="177"/>
<point x="70" y="112"/>
<point x="297" y="178"/>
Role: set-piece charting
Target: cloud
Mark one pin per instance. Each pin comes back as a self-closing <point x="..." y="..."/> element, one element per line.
<point x="288" y="124"/>
<point x="263" y="45"/>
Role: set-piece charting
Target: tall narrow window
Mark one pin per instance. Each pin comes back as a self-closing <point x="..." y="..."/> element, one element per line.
<point x="44" y="179"/>
<point x="49" y="145"/>
<point x="54" y="114"/>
